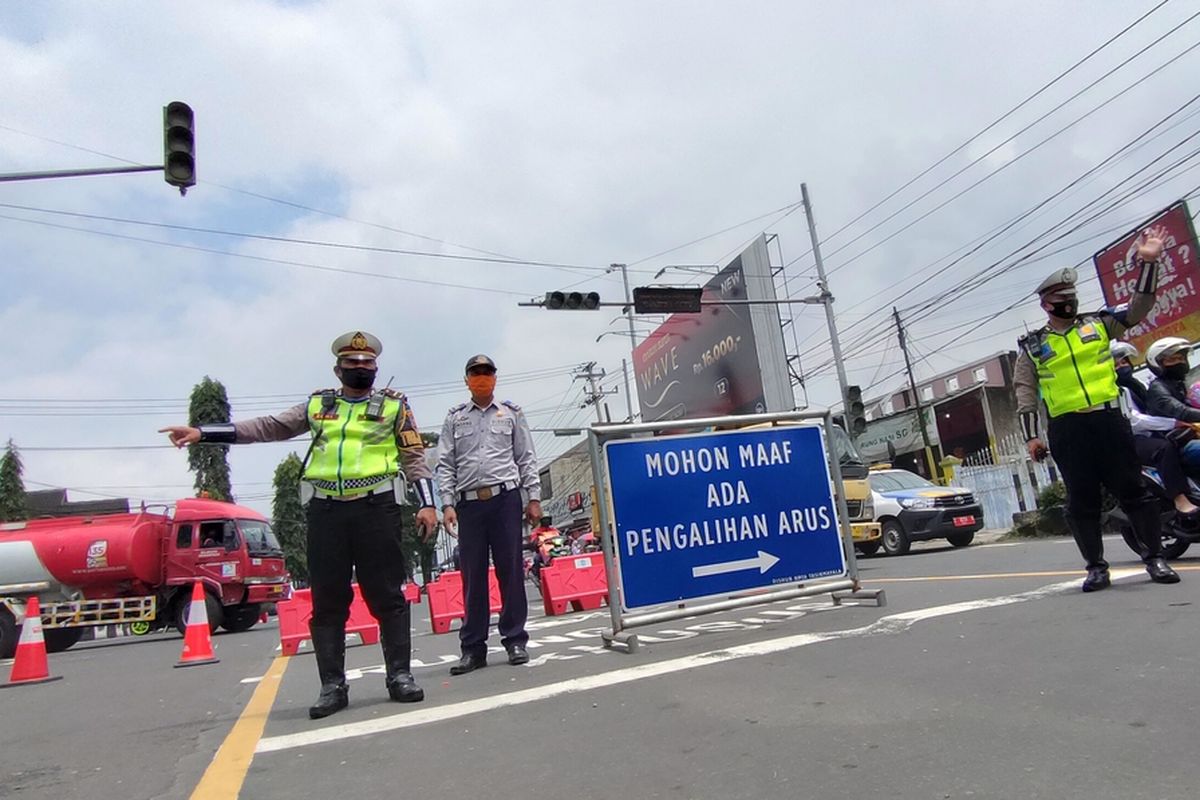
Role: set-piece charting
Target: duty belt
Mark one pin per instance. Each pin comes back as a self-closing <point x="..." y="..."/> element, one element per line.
<point x="375" y="484"/>
<point x="486" y="492"/>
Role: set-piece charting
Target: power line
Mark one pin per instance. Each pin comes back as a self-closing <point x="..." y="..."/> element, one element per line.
<point x="999" y="119"/>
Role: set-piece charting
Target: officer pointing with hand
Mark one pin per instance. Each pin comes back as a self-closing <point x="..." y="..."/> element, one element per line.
<point x="485" y="461"/>
<point x="362" y="437"/>
<point x="1068" y="366"/>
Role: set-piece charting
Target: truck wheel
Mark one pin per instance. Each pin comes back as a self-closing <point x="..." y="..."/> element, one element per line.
<point x="961" y="539"/>
<point x="59" y="639"/>
<point x="241" y="618"/>
<point x="868" y="548"/>
<point x="9" y="631"/>
<point x="216" y="613"/>
<point x="895" y="540"/>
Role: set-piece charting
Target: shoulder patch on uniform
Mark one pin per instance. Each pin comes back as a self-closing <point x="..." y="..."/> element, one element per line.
<point x="323" y="392"/>
<point x="511" y="404"/>
<point x="392" y="393"/>
<point x="410" y="438"/>
<point x="457" y="408"/>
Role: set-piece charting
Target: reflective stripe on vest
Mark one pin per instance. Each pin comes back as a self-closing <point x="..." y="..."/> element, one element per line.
<point x="1075" y="370"/>
<point x="351" y="450"/>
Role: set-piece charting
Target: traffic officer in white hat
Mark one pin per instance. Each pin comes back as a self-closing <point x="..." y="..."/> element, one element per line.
<point x="363" y="439"/>
<point x="1066" y="365"/>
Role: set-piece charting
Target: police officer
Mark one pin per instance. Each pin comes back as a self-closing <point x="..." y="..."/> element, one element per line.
<point x="485" y="461"/>
<point x="361" y="438"/>
<point x="1068" y="363"/>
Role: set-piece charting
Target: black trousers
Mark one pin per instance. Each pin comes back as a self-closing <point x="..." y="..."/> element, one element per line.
<point x="1093" y="450"/>
<point x="495" y="525"/>
<point x="1164" y="457"/>
<point x="359" y="539"/>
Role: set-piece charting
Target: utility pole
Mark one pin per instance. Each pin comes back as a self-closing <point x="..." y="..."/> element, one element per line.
<point x="628" y="393"/>
<point x="589" y="373"/>
<point x="827" y="301"/>
<point x="628" y="311"/>
<point x="912" y="383"/>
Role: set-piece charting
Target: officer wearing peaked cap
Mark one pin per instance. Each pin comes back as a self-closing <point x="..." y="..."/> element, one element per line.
<point x="363" y="438"/>
<point x="1067" y="366"/>
<point x="485" y="462"/>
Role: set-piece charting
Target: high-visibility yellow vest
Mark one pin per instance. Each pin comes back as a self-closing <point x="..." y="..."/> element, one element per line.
<point x="351" y="454"/>
<point x="1075" y="370"/>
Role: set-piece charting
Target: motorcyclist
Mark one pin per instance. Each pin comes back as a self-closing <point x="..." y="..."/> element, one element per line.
<point x="1167" y="396"/>
<point x="540" y="540"/>
<point x="1150" y="432"/>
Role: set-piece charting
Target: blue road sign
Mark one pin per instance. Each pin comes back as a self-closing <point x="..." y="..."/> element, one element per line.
<point x="712" y="514"/>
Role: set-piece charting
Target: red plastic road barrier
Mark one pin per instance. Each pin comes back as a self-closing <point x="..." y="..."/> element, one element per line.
<point x="412" y="592"/>
<point x="31" y="664"/>
<point x="446" y="599"/>
<point x="294" y="615"/>
<point x="578" y="581"/>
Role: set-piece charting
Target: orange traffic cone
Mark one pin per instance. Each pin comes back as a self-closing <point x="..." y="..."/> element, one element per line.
<point x="197" y="640"/>
<point x="31" y="665"/>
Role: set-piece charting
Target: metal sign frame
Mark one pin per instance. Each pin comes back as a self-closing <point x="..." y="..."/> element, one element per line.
<point x="840" y="588"/>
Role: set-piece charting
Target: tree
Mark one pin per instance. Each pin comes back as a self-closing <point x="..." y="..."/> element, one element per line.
<point x="210" y="404"/>
<point x="291" y="526"/>
<point x="12" y="488"/>
<point x="418" y="554"/>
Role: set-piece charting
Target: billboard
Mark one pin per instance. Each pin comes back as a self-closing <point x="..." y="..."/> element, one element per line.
<point x="728" y="359"/>
<point x="1177" y="312"/>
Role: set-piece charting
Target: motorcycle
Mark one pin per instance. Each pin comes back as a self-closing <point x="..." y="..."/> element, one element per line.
<point x="1178" y="533"/>
<point x="544" y="552"/>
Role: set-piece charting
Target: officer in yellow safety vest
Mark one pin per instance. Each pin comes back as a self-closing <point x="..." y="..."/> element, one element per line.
<point x="1066" y="366"/>
<point x="362" y="437"/>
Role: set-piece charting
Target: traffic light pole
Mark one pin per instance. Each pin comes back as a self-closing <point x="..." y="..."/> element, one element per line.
<point x="76" y="173"/>
<point x="826" y="299"/>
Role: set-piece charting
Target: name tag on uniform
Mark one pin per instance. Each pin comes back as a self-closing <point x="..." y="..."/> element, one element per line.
<point x="324" y="415"/>
<point x="504" y="425"/>
<point x="1088" y="333"/>
<point x="462" y="427"/>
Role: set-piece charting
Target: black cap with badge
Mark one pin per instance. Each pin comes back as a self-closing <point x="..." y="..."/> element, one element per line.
<point x="480" y="361"/>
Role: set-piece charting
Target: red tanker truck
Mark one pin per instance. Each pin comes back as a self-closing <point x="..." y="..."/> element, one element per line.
<point x="138" y="568"/>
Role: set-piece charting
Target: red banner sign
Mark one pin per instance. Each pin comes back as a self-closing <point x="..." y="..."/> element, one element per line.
<point x="1177" y="312"/>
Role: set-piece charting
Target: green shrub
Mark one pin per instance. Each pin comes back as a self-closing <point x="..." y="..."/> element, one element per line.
<point x="1053" y="496"/>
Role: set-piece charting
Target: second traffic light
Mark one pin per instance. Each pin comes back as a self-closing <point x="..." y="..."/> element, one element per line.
<point x="856" y="411"/>
<point x="572" y="301"/>
<point x="179" y="145"/>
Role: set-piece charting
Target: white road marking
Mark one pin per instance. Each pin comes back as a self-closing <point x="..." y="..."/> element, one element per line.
<point x="893" y="623"/>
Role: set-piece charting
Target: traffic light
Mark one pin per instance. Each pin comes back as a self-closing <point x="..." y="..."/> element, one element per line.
<point x="572" y="301"/>
<point x="179" y="145"/>
<point x="856" y="412"/>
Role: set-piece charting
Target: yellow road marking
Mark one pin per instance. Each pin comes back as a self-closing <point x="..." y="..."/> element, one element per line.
<point x="984" y="575"/>
<point x="224" y="777"/>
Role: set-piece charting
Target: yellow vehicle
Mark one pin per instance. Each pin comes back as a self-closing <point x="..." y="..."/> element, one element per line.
<point x="867" y="533"/>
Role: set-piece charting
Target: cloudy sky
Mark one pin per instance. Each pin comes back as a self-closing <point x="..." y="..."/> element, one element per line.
<point x="570" y="135"/>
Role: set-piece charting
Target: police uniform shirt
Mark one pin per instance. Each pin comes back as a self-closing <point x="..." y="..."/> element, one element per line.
<point x="484" y="447"/>
<point x="294" y="422"/>
<point x="1116" y="322"/>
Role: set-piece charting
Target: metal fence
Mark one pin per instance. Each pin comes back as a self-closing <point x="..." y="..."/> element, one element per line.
<point x="1004" y="481"/>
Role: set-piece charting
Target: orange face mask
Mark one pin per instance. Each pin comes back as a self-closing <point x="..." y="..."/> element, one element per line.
<point x="481" y="385"/>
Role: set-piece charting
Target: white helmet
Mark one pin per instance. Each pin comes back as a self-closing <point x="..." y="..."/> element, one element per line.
<point x="1163" y="348"/>
<point x="1120" y="350"/>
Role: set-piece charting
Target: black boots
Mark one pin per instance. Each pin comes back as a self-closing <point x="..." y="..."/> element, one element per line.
<point x="1160" y="572"/>
<point x="395" y="637"/>
<point x="1097" y="579"/>
<point x="329" y="645"/>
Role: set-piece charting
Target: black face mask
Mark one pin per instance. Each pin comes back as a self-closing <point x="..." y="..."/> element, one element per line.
<point x="358" y="378"/>
<point x="1125" y="375"/>
<point x="1065" y="309"/>
<point x="1176" y="372"/>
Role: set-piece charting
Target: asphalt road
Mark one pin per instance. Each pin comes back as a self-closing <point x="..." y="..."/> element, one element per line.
<point x="987" y="675"/>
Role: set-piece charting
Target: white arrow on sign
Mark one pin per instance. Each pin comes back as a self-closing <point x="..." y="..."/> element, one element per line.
<point x="762" y="562"/>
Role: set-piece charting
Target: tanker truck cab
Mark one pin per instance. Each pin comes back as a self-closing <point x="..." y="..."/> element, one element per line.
<point x="138" y="568"/>
<point x="234" y="552"/>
